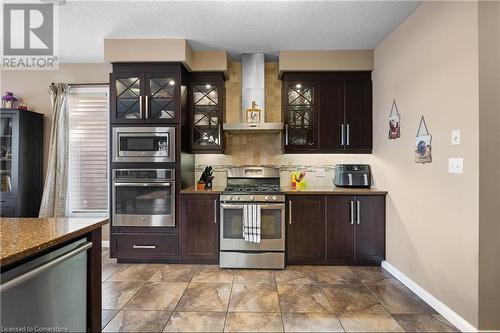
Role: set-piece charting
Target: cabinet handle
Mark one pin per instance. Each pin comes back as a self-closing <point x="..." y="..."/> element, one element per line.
<point x="144" y="246"/>
<point x="342" y="134"/>
<point x="352" y="211"/>
<point x="215" y="210"/>
<point x="140" y="106"/>
<point x="220" y="143"/>
<point x="289" y="212"/>
<point x="286" y="134"/>
<point x="147" y="106"/>
<point x="348" y="139"/>
<point x="358" y="212"/>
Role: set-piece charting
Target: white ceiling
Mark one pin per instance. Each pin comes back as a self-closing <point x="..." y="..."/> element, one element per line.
<point x="236" y="26"/>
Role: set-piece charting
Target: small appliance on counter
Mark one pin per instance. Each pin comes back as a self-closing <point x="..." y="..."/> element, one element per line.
<point x="353" y="175"/>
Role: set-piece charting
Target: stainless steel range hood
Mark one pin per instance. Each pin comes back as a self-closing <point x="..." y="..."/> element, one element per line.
<point x="253" y="90"/>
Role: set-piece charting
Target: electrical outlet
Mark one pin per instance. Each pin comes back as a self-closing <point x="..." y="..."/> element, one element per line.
<point x="455" y="137"/>
<point x="455" y="165"/>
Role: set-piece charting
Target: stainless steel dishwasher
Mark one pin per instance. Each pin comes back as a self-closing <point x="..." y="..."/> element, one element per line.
<point x="48" y="293"/>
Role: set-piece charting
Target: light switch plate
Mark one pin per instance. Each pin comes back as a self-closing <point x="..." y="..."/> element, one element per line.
<point x="455" y="137"/>
<point x="320" y="172"/>
<point x="456" y="165"/>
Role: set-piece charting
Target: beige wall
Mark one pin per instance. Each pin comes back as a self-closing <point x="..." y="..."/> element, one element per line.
<point x="429" y="64"/>
<point x="489" y="167"/>
<point x="32" y="86"/>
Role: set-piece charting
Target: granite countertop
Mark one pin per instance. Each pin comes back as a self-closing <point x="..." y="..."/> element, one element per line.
<point x="194" y="190"/>
<point x="23" y="237"/>
<point x="334" y="190"/>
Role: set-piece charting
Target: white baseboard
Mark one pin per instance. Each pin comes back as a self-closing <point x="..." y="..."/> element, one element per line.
<point x="104" y="243"/>
<point x="450" y="315"/>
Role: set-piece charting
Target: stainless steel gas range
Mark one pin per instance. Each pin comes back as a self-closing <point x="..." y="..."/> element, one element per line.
<point x="257" y="188"/>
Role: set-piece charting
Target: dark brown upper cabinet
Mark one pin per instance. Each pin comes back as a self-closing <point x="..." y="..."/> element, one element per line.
<point x="145" y="93"/>
<point x="327" y="112"/>
<point x="206" y="112"/>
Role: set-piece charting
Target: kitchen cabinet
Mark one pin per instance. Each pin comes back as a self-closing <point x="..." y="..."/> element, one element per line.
<point x="206" y="112"/>
<point x="200" y="228"/>
<point x="327" y="112"/>
<point x="305" y="241"/>
<point x="336" y="229"/>
<point x="145" y="93"/>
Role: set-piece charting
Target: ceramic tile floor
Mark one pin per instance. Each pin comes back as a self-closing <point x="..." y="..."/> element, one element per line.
<point x="191" y="298"/>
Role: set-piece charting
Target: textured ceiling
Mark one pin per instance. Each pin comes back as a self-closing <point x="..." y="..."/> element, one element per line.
<point x="236" y="26"/>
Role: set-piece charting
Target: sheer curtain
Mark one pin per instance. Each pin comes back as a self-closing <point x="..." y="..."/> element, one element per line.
<point x="56" y="177"/>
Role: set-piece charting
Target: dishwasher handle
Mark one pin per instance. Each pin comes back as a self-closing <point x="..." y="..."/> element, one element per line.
<point x="42" y="268"/>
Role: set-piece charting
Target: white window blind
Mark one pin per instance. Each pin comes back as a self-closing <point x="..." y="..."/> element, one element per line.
<point x="88" y="150"/>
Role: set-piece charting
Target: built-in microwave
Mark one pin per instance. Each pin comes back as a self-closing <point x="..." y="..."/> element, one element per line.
<point x="143" y="144"/>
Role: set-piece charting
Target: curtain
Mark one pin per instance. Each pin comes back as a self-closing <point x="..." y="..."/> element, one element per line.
<point x="56" y="177"/>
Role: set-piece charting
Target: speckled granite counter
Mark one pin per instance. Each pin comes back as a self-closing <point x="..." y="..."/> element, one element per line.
<point x="23" y="237"/>
<point x="193" y="190"/>
<point x="334" y="190"/>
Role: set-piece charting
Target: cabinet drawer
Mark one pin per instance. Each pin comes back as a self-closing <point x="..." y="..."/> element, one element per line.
<point x="146" y="246"/>
<point x="8" y="207"/>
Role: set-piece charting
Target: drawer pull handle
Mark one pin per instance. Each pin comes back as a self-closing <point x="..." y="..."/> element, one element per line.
<point x="144" y="246"/>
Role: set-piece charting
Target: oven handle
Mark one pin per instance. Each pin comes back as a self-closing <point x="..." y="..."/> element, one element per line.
<point x="143" y="184"/>
<point x="262" y="206"/>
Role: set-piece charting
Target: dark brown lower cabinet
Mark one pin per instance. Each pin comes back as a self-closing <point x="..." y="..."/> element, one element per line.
<point x="305" y="229"/>
<point x="336" y="229"/>
<point x="200" y="228"/>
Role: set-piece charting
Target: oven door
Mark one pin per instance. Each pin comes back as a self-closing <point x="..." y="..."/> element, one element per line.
<point x="144" y="204"/>
<point x="144" y="144"/>
<point x="272" y="228"/>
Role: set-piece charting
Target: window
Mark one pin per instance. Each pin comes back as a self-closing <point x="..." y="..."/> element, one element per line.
<point x="88" y="150"/>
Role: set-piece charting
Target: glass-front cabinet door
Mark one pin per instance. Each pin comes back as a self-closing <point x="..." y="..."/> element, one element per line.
<point x="8" y="143"/>
<point x="128" y="103"/>
<point x="161" y="97"/>
<point x="206" y="95"/>
<point x="300" y="115"/>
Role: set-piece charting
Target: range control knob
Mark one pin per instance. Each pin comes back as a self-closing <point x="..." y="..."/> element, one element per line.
<point x="237" y="198"/>
<point x="275" y="198"/>
<point x="266" y="198"/>
<point x="252" y="198"/>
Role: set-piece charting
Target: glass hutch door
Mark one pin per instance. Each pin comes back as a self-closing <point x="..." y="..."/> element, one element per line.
<point x="300" y="126"/>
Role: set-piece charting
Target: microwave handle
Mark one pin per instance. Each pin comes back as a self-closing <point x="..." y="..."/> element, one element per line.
<point x="143" y="184"/>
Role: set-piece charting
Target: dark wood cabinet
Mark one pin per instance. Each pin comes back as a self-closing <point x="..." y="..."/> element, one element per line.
<point x="370" y="230"/>
<point x="327" y="112"/>
<point x="21" y="149"/>
<point x="305" y="229"/>
<point x="145" y="93"/>
<point x="200" y="228"/>
<point x="336" y="229"/>
<point x="339" y="230"/>
<point x="206" y="112"/>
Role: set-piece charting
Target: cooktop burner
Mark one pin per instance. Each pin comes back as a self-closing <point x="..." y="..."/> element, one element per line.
<point x="252" y="188"/>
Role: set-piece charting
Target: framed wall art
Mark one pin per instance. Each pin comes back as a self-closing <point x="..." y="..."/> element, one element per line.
<point x="394" y="122"/>
<point x="423" y="144"/>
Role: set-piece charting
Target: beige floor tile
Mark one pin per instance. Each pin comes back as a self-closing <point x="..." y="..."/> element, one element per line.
<point x="196" y="322"/>
<point x="109" y="268"/>
<point x="303" y="298"/>
<point x="115" y="294"/>
<point x="400" y="300"/>
<point x="296" y="275"/>
<point x="311" y="322"/>
<point x="135" y="272"/>
<point x="138" y="321"/>
<point x="214" y="275"/>
<point x="253" y="322"/>
<point x="157" y="296"/>
<point x="335" y="275"/>
<point x="254" y="276"/>
<point x="175" y="273"/>
<point x="424" y="323"/>
<point x="254" y="297"/>
<point x="352" y="297"/>
<point x="205" y="297"/>
<point x="106" y="316"/>
<point x="374" y="321"/>
<point x="374" y="275"/>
